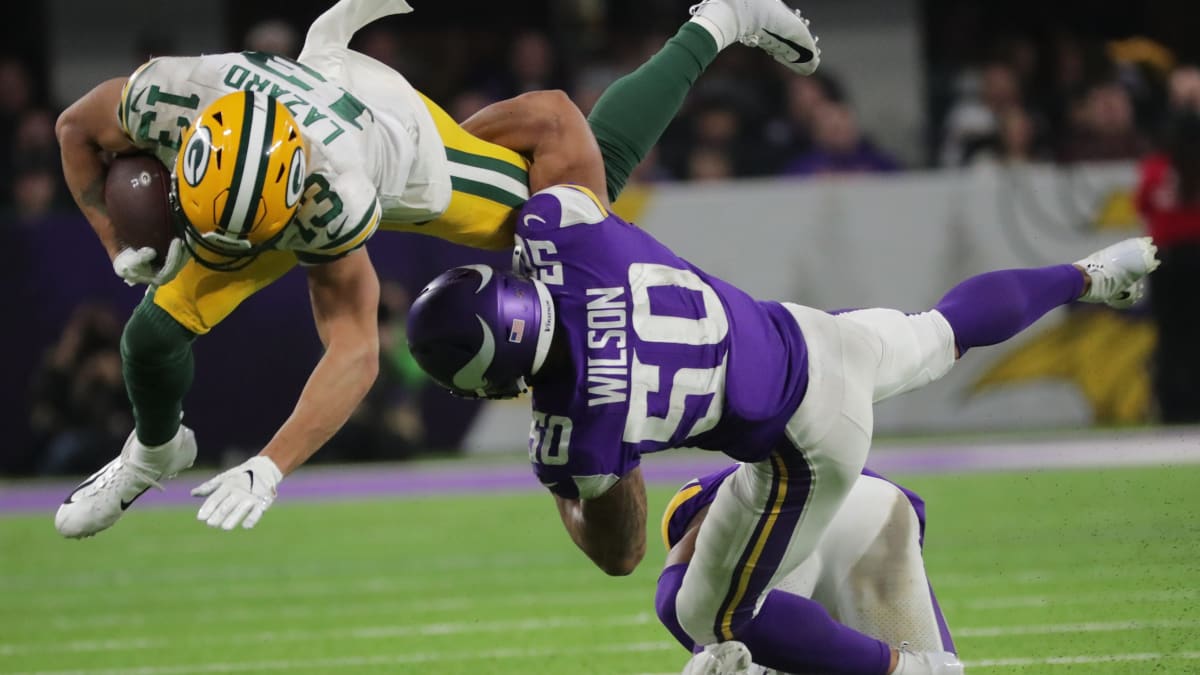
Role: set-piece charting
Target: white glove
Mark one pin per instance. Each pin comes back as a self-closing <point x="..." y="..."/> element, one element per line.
<point x="240" y="495"/>
<point x="135" y="265"/>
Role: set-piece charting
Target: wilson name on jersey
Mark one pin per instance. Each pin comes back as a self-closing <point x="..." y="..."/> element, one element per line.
<point x="339" y="209"/>
<point x="663" y="354"/>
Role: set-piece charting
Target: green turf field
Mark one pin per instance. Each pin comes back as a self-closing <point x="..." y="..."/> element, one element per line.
<point x="1100" y="568"/>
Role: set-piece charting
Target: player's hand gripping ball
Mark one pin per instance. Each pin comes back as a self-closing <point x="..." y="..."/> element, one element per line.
<point x="136" y="195"/>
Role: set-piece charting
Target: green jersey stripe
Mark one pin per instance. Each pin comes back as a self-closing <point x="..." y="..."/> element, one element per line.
<point x="491" y="163"/>
<point x="354" y="232"/>
<point x="489" y="192"/>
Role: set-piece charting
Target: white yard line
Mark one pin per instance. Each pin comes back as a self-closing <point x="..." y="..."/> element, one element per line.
<point x="1032" y="577"/>
<point x="1084" y="627"/>
<point x="515" y="653"/>
<point x="1021" y="661"/>
<point x="390" y="631"/>
<point x="381" y="660"/>
<point x="1017" y="601"/>
<point x="265" y="613"/>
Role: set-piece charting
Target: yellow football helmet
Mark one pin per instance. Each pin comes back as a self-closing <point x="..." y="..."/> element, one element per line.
<point x="238" y="179"/>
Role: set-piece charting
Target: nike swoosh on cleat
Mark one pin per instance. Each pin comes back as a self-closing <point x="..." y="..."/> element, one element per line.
<point x="126" y="504"/>
<point x="804" y="54"/>
<point x="70" y="498"/>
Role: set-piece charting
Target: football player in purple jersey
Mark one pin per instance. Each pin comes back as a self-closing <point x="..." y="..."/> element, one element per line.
<point x="866" y="570"/>
<point x="631" y="349"/>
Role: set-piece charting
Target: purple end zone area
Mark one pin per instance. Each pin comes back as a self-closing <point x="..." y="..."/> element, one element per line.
<point x="1162" y="447"/>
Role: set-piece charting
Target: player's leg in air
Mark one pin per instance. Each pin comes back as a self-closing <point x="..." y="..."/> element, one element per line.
<point x="775" y="511"/>
<point x="490" y="178"/>
<point x="495" y="145"/>
<point x="867" y="570"/>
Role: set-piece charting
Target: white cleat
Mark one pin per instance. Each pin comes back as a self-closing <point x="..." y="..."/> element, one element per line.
<point x="1117" y="272"/>
<point x="773" y="27"/>
<point x="723" y="658"/>
<point x="927" y="663"/>
<point x="98" y="502"/>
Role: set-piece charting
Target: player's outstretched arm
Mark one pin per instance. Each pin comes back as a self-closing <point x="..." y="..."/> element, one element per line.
<point x="611" y="528"/>
<point x="549" y="128"/>
<point x="85" y="130"/>
<point x="345" y="300"/>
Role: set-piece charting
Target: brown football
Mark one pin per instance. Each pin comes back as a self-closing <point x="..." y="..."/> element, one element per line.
<point x="136" y="194"/>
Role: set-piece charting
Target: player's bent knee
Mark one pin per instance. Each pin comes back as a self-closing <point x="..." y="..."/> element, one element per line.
<point x="153" y="335"/>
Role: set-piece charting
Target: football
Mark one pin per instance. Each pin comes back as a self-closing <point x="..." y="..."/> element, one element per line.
<point x="136" y="193"/>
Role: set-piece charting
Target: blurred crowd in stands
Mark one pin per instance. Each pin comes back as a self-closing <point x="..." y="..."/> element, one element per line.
<point x="1059" y="98"/>
<point x="1064" y="98"/>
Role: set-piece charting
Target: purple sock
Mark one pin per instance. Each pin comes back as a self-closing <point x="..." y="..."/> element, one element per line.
<point x="993" y="307"/>
<point x="796" y="635"/>
<point x="664" y="603"/>
<point x="775" y="639"/>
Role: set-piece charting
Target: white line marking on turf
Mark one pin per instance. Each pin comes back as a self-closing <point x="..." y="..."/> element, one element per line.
<point x="317" y="586"/>
<point x="1085" y="627"/>
<point x="1033" y="577"/>
<point x="386" y="605"/>
<point x="390" y="631"/>
<point x="37" y="583"/>
<point x="1078" y="660"/>
<point x="1016" y="601"/>
<point x="382" y="660"/>
<point x="356" y="633"/>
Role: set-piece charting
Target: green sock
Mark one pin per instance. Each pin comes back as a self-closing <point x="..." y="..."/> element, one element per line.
<point x="634" y="111"/>
<point x="156" y="358"/>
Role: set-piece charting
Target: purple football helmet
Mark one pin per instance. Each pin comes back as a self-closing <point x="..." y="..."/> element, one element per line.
<point x="479" y="330"/>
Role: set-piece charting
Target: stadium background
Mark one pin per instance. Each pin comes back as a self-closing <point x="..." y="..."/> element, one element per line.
<point x="942" y="139"/>
<point x="913" y="90"/>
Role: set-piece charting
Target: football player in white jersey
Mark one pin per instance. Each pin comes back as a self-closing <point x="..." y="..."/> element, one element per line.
<point x="278" y="162"/>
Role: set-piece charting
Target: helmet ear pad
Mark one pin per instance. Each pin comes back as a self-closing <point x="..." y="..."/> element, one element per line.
<point x="480" y="331"/>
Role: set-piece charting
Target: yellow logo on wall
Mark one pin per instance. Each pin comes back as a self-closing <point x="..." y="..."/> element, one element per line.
<point x="1117" y="212"/>
<point x="1106" y="354"/>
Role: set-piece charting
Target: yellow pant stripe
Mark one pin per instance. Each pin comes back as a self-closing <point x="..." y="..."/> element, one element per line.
<point x="742" y="576"/>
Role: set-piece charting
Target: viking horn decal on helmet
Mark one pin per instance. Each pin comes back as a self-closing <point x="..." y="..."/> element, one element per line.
<point x="470" y="376"/>
<point x="485" y="271"/>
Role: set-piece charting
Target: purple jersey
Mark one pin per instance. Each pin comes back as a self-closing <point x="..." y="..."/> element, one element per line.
<point x="700" y="492"/>
<point x="664" y="355"/>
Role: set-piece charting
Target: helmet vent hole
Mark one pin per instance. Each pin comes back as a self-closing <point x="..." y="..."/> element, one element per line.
<point x="219" y="118"/>
<point x="217" y="156"/>
<point x="292" y="134"/>
<point x="279" y="174"/>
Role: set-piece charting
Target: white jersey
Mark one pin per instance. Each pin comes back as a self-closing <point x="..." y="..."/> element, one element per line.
<point x="374" y="152"/>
